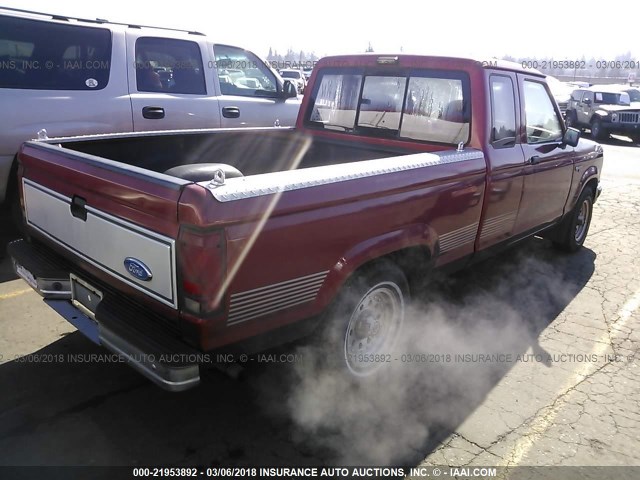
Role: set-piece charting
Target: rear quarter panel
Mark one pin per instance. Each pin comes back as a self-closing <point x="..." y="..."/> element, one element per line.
<point x="328" y="231"/>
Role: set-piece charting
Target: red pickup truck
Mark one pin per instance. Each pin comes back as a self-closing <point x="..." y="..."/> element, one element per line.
<point x="163" y="246"/>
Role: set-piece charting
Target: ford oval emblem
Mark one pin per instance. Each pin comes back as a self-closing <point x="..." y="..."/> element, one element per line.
<point x="137" y="269"/>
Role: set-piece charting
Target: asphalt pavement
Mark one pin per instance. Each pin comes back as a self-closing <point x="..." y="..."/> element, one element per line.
<point x="530" y="358"/>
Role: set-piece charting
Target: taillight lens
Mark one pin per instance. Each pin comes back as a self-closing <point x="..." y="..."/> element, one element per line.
<point x="201" y="260"/>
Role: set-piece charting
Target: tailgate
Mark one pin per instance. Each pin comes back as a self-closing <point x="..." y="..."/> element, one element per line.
<point x="118" y="218"/>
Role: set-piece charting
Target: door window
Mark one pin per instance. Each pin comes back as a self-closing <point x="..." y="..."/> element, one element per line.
<point x="240" y="72"/>
<point x="543" y="124"/>
<point x="168" y="65"/>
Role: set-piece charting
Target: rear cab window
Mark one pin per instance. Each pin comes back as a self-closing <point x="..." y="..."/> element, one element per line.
<point x="49" y="56"/>
<point x="424" y="105"/>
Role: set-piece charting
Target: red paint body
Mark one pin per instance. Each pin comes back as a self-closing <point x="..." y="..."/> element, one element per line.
<point x="341" y="226"/>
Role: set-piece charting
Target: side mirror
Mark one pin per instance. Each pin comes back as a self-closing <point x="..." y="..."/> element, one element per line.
<point x="587" y="101"/>
<point x="289" y="90"/>
<point x="571" y="137"/>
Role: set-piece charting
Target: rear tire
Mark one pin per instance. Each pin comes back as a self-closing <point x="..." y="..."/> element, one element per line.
<point x="367" y="318"/>
<point x="574" y="228"/>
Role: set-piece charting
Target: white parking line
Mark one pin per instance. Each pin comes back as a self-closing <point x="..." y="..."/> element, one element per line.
<point x="545" y="419"/>
<point x="15" y="294"/>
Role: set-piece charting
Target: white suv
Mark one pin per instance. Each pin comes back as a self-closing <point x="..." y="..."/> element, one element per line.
<point x="74" y="77"/>
<point x="296" y="76"/>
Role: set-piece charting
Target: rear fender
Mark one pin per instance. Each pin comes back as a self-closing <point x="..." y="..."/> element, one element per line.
<point x="416" y="235"/>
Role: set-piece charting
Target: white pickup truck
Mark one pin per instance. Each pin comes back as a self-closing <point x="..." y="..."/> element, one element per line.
<point x="72" y="76"/>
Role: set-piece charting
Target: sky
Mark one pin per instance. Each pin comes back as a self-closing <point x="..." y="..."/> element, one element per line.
<point x="491" y="28"/>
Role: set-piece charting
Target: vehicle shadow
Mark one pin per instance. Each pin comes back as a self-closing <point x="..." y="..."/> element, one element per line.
<point x="71" y="403"/>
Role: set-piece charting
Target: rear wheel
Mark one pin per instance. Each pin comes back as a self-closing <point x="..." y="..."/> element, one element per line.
<point x="367" y="318"/>
<point x="574" y="228"/>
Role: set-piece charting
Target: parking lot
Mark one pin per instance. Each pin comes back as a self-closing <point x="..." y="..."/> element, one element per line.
<point x="531" y="358"/>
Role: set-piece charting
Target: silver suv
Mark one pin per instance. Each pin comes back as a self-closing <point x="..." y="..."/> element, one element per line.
<point x="605" y="110"/>
<point x="71" y="76"/>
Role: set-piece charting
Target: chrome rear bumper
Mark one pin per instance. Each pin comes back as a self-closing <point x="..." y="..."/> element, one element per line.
<point x="118" y="326"/>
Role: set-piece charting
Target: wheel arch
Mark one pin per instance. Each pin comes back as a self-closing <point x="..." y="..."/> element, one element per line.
<point x="412" y="249"/>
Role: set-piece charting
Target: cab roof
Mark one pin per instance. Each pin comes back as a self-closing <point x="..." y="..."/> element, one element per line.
<point x="422" y="61"/>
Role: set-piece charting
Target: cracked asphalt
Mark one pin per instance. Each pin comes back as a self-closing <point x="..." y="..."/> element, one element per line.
<point x="577" y="403"/>
<point x="580" y="411"/>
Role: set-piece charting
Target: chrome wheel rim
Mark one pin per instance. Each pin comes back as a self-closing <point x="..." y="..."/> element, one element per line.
<point x="373" y="328"/>
<point x="582" y="221"/>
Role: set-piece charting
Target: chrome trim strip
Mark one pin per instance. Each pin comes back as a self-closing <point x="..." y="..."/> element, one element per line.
<point x="63" y="293"/>
<point x="494" y="225"/>
<point x="261" y="301"/>
<point x="127" y="226"/>
<point x="259" y="304"/>
<point x="457" y="238"/>
<point x="271" y="183"/>
<point x="276" y="286"/>
<point x="266" y="298"/>
<point x="277" y="308"/>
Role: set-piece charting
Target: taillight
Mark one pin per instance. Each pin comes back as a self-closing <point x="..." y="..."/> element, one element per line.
<point x="201" y="260"/>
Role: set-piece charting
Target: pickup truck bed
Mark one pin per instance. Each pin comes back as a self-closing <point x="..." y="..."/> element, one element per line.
<point x="252" y="151"/>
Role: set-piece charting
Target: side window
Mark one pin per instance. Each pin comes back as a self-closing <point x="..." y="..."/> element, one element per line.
<point x="240" y="72"/>
<point x="49" y="56"/>
<point x="336" y="101"/>
<point x="542" y="121"/>
<point x="503" y="112"/>
<point x="576" y="95"/>
<point x="588" y="96"/>
<point x="168" y="65"/>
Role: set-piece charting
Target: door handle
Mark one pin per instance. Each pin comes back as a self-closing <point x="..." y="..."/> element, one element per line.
<point x="78" y="208"/>
<point x="231" y="112"/>
<point x="534" y="160"/>
<point x="153" y="113"/>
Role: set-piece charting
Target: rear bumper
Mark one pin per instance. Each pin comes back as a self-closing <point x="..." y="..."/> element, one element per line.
<point x="120" y="326"/>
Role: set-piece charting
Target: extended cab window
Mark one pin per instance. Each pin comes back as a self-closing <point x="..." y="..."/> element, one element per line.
<point x="336" y="101"/>
<point x="242" y="73"/>
<point x="49" y="56"/>
<point x="543" y="124"/>
<point x="503" y="112"/>
<point x="168" y="65"/>
<point x="429" y="106"/>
